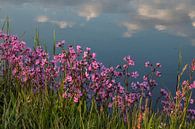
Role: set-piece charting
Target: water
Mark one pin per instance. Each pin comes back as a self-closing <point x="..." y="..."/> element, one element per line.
<point x="146" y="29"/>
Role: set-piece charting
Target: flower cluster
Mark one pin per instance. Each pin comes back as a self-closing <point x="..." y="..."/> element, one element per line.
<point x="77" y="72"/>
<point x="175" y="105"/>
<point x="80" y="76"/>
<point x="27" y="65"/>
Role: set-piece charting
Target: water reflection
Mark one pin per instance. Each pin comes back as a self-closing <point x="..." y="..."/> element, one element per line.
<point x="175" y="17"/>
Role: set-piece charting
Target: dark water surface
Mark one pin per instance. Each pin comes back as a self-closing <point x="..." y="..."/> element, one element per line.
<point x="151" y="30"/>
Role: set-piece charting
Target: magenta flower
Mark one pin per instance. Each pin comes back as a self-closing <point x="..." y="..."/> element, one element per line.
<point x="134" y="74"/>
<point x="147" y="64"/>
<point x="145" y="78"/>
<point x="129" y="60"/>
<point x="88" y="49"/>
<point x="79" y="50"/>
<point x="93" y="55"/>
<point x="76" y="99"/>
<point x="184" y="83"/>
<point x="60" y="44"/>
<point x="192" y="86"/>
<point x="158" y="74"/>
<point x="158" y="65"/>
<point x="68" y="79"/>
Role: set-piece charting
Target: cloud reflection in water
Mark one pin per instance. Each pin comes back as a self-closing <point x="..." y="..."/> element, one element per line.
<point x="176" y="17"/>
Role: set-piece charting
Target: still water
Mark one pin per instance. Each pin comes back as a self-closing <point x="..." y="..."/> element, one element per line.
<point x="151" y="30"/>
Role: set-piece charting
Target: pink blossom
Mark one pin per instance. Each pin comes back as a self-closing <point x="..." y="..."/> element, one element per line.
<point x="145" y="78"/>
<point x="158" y="74"/>
<point x="76" y="99"/>
<point x="134" y="74"/>
<point x="60" y="43"/>
<point x="192" y="86"/>
<point x="93" y="55"/>
<point x="69" y="79"/>
<point x="158" y="65"/>
<point x="147" y="64"/>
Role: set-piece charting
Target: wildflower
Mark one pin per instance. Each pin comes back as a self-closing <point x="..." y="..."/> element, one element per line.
<point x="193" y="65"/>
<point x="79" y="50"/>
<point x="164" y="92"/>
<point x="191" y="114"/>
<point x="134" y="85"/>
<point x="93" y="55"/>
<point x="60" y="44"/>
<point x="192" y="85"/>
<point x="88" y="49"/>
<point x="71" y="50"/>
<point x="192" y="101"/>
<point x="85" y="54"/>
<point x="158" y="65"/>
<point x="145" y="78"/>
<point x="125" y="66"/>
<point x="76" y="99"/>
<point x="95" y="65"/>
<point x="134" y="74"/>
<point x="129" y="60"/>
<point x="69" y="79"/>
<point x="147" y="64"/>
<point x="184" y="83"/>
<point x="158" y="74"/>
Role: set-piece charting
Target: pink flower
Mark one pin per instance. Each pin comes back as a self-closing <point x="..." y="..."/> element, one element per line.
<point x="129" y="60"/>
<point x="95" y="65"/>
<point x="69" y="79"/>
<point x="158" y="74"/>
<point x="147" y="64"/>
<point x="85" y="54"/>
<point x="125" y="66"/>
<point x="192" y="85"/>
<point x="158" y="65"/>
<point x="79" y="49"/>
<point x="193" y="65"/>
<point x="145" y="78"/>
<point x="93" y="55"/>
<point x="134" y="74"/>
<point x="88" y="49"/>
<point x="60" y="43"/>
<point x="192" y="101"/>
<point x="184" y="83"/>
<point x="76" y="99"/>
<point x="87" y="75"/>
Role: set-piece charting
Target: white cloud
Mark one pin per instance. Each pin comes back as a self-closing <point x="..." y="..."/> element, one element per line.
<point x="192" y="14"/>
<point x="89" y="11"/>
<point x="42" y="19"/>
<point x="149" y="12"/>
<point x="131" y="28"/>
<point x="193" y="24"/>
<point x="63" y="24"/>
<point x="160" y="27"/>
<point x="170" y="16"/>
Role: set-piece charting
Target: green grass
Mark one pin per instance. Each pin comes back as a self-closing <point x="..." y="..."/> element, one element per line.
<point x="21" y="108"/>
